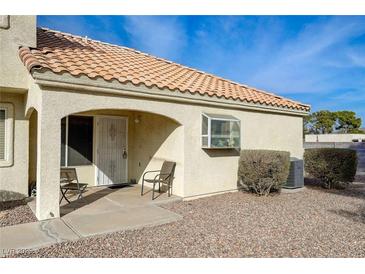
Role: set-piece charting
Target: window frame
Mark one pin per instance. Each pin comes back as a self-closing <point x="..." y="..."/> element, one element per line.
<point x="67" y="137"/>
<point x="218" y="117"/>
<point x="9" y="135"/>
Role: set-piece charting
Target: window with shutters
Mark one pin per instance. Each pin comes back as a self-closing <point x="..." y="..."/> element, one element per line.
<point x="6" y="134"/>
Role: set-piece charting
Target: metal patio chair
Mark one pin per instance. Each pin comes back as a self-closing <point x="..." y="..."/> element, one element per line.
<point x="163" y="177"/>
<point x="69" y="181"/>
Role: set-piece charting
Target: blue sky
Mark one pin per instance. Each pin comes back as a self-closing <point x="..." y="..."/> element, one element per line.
<point x="319" y="60"/>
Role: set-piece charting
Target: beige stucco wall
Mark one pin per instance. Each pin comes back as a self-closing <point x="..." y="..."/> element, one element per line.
<point x="166" y="131"/>
<point x="157" y="139"/>
<point x="14" y="178"/>
<point x="15" y="31"/>
<point x="203" y="171"/>
<point x="20" y="32"/>
<point x="208" y="171"/>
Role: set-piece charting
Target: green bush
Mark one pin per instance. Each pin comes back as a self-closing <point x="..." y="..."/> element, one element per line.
<point x="263" y="171"/>
<point x="334" y="167"/>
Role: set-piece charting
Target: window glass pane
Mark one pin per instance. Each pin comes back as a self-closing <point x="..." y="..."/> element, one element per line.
<point x="80" y="140"/>
<point x="220" y="142"/>
<point x="2" y="134"/>
<point x="220" y="128"/>
<point x="235" y="129"/>
<point x="205" y="125"/>
<point x="63" y="141"/>
<point x="205" y="141"/>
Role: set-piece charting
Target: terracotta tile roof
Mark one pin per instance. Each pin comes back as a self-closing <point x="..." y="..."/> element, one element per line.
<point x="62" y="52"/>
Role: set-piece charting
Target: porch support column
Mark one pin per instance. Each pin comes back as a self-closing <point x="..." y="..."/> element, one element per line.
<point x="48" y="165"/>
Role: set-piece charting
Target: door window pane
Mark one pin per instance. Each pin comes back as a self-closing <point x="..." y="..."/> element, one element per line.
<point x="80" y="140"/>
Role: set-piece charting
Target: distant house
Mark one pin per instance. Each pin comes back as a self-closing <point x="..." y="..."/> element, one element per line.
<point x="114" y="112"/>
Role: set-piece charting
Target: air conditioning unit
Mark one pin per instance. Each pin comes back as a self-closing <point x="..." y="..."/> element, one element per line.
<point x="295" y="178"/>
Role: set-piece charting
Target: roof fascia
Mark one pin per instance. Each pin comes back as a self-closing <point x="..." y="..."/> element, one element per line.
<point x="84" y="83"/>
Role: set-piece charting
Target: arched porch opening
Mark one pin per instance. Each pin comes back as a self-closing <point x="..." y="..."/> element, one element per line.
<point x="116" y="146"/>
<point x="154" y="133"/>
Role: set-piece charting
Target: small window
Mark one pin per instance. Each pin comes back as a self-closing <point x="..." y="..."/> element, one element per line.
<point x="220" y="131"/>
<point x="6" y="134"/>
<point x="76" y="141"/>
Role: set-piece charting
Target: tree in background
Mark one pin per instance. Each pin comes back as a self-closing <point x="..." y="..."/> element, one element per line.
<point x="347" y="122"/>
<point x="320" y="122"/>
<point x="325" y="121"/>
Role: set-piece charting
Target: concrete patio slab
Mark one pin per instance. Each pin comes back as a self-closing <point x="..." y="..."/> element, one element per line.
<point x="131" y="198"/>
<point x="34" y="235"/>
<point x="123" y="219"/>
<point x="99" y="206"/>
<point x="102" y="210"/>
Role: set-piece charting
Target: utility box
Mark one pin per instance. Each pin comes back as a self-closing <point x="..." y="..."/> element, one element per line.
<point x="296" y="177"/>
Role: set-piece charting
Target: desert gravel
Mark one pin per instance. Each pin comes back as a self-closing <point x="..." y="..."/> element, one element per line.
<point x="310" y="223"/>
<point x="15" y="212"/>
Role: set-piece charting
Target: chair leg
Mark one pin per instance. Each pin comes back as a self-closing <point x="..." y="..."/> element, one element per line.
<point x="80" y="192"/>
<point x="61" y="195"/>
<point x="64" y="196"/>
<point x="153" y="191"/>
<point x="142" y="188"/>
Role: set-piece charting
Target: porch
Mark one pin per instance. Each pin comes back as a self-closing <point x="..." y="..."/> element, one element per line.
<point x="102" y="210"/>
<point x="109" y="148"/>
<point x="108" y="198"/>
<point x="114" y="208"/>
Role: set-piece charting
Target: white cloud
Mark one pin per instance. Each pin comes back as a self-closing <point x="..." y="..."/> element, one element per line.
<point x="161" y="36"/>
<point x="304" y="64"/>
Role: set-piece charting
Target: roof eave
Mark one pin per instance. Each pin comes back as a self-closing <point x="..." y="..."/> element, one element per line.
<point x="46" y="77"/>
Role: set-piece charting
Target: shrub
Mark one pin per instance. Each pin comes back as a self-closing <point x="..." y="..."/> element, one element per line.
<point x="334" y="167"/>
<point x="263" y="171"/>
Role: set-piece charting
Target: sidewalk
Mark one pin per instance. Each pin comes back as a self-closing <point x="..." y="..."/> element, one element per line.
<point x="117" y="211"/>
<point x="34" y="235"/>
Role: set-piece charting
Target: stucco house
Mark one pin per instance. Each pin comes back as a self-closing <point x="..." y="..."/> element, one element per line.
<point x="114" y="112"/>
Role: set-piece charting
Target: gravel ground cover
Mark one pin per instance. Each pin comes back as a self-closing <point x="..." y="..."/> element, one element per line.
<point x="15" y="212"/>
<point x="311" y="223"/>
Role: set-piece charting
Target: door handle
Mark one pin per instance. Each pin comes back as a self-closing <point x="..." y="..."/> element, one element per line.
<point x="125" y="154"/>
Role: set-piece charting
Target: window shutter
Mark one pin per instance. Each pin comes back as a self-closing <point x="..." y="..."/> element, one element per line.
<point x="2" y="134"/>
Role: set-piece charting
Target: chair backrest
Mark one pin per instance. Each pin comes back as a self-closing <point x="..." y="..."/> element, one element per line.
<point x="68" y="175"/>
<point x="167" y="170"/>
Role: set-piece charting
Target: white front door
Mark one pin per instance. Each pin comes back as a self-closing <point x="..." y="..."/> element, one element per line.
<point x="112" y="153"/>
